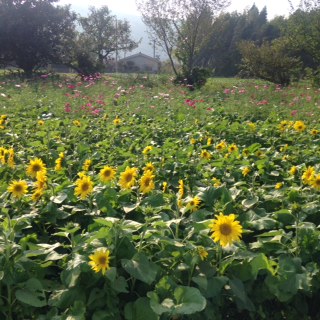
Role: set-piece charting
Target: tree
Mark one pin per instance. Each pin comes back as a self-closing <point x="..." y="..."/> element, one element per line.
<point x="270" y="61"/>
<point x="34" y="33"/>
<point x="179" y="27"/>
<point x="104" y="34"/>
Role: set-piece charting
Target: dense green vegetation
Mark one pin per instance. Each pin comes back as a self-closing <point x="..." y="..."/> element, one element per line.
<point x="128" y="197"/>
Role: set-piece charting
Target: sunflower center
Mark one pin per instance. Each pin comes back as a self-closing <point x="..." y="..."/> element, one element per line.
<point x="225" y="229"/>
<point x="128" y="177"/>
<point x="147" y="182"/>
<point x="36" y="168"/>
<point x="102" y="260"/>
<point x="107" y="173"/>
<point x="18" y="188"/>
<point x="85" y="186"/>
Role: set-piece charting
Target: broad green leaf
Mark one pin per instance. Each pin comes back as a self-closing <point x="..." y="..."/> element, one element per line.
<point x="141" y="268"/>
<point x="188" y="300"/>
<point x="140" y="310"/>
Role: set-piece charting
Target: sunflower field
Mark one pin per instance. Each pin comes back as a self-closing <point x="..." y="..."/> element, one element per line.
<point x="131" y="198"/>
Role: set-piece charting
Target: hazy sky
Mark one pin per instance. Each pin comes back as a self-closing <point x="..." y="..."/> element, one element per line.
<point x="128" y="7"/>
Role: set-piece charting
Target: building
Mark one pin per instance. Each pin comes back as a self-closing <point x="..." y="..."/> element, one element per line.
<point x="139" y="62"/>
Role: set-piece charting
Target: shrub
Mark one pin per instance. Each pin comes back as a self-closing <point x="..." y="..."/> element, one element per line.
<point x="270" y="61"/>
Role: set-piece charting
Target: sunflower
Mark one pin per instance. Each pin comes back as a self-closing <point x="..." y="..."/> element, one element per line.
<point x="293" y="170"/>
<point x="87" y="164"/>
<point x="147" y="150"/>
<point x="181" y="189"/>
<point x="299" y="126"/>
<point x="36" y="165"/>
<point x="279" y="185"/>
<point x="18" y="188"/>
<point x="42" y="179"/>
<point x="205" y="154"/>
<point x="209" y="141"/>
<point x="193" y="203"/>
<point x="164" y="186"/>
<point x="147" y="182"/>
<point x="117" y="121"/>
<point x="107" y="174"/>
<point x="225" y="229"/>
<point x="149" y="167"/>
<point x="203" y="253"/>
<point x="11" y="162"/>
<point x="58" y="166"/>
<point x="193" y="141"/>
<point x="77" y="123"/>
<point x="216" y="182"/>
<point x="314" y="132"/>
<point x="233" y="148"/>
<point x="308" y="175"/>
<point x="316" y="182"/>
<point x="37" y="194"/>
<point x="128" y="178"/>
<point x="84" y="187"/>
<point x="246" y="171"/>
<point x="221" y="146"/>
<point x="40" y="122"/>
<point x="100" y="261"/>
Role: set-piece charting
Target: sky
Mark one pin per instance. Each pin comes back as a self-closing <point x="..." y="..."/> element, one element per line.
<point x="127" y="9"/>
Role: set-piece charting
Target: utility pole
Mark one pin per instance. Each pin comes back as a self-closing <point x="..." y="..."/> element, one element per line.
<point x="154" y="48"/>
<point x="116" y="45"/>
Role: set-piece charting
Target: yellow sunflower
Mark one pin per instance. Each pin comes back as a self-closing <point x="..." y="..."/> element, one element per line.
<point x="128" y="178"/>
<point x="181" y="189"/>
<point x="149" y="167"/>
<point x="100" y="261"/>
<point x="203" y="253"/>
<point x="233" y="148"/>
<point x="226" y="229"/>
<point x="36" y="165"/>
<point x="164" y="186"/>
<point x="18" y="188"/>
<point x="314" y="132"/>
<point x="308" y="175"/>
<point x="205" y="154"/>
<point x="279" y="185"/>
<point x="293" y="170"/>
<point x="87" y="164"/>
<point x="147" y="182"/>
<point x="316" y="182"/>
<point x="37" y="194"/>
<point x="193" y="203"/>
<point x="221" y="146"/>
<point x="117" y="121"/>
<point x="299" y="126"/>
<point x="107" y="174"/>
<point x="147" y="150"/>
<point x="246" y="171"/>
<point x="84" y="187"/>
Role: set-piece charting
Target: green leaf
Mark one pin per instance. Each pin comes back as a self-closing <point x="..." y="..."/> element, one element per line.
<point x="140" y="310"/>
<point x="59" y="198"/>
<point x="250" y="202"/>
<point x="32" y="294"/>
<point x="241" y="298"/>
<point x="215" y="286"/>
<point x="188" y="300"/>
<point x="141" y="268"/>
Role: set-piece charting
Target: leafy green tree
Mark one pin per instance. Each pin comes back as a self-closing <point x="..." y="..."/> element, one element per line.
<point x="103" y="34"/>
<point x="270" y="61"/>
<point x="228" y="29"/>
<point x="34" y="33"/>
<point x="180" y="27"/>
